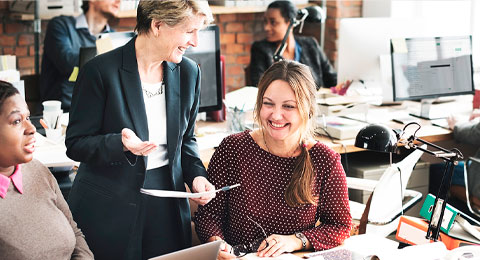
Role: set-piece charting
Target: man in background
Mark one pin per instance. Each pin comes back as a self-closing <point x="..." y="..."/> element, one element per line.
<point x="64" y="37"/>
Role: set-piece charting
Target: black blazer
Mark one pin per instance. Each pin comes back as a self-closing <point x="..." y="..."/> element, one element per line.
<point x="107" y="98"/>
<point x="312" y="55"/>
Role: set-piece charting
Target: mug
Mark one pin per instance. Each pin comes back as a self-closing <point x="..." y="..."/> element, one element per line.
<point x="51" y="105"/>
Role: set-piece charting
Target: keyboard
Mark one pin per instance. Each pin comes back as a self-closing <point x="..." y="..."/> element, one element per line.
<point x="441" y="122"/>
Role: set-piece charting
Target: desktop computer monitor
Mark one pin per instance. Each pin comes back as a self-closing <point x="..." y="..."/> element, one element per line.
<point x="430" y="67"/>
<point x="364" y="49"/>
<point x="207" y="55"/>
<point x="363" y="43"/>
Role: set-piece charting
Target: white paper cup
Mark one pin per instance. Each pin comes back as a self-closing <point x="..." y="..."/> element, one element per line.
<point x="54" y="134"/>
<point x="51" y="105"/>
<point x="52" y="118"/>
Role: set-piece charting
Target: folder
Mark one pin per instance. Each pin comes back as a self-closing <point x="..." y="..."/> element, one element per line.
<point x="412" y="230"/>
<point x="452" y="218"/>
<point x="448" y="216"/>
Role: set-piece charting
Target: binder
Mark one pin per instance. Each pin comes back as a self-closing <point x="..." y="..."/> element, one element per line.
<point x="412" y="230"/>
<point x="451" y="216"/>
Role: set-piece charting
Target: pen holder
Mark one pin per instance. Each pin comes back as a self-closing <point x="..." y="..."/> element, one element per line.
<point x="235" y="120"/>
<point x="52" y="118"/>
<point x="54" y="134"/>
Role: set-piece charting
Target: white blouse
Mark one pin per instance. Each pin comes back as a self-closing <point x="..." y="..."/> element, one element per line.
<point x="155" y="106"/>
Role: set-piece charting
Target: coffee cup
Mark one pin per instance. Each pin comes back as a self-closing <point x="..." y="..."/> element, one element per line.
<point x="52" y="105"/>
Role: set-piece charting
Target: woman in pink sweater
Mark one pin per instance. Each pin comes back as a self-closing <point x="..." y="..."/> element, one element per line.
<point x="35" y="222"/>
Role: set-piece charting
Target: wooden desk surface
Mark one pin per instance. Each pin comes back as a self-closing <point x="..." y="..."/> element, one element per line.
<point x="427" y="132"/>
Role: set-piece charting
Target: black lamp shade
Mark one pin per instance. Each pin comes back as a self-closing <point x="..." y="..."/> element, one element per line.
<point x="377" y="138"/>
<point x="315" y="14"/>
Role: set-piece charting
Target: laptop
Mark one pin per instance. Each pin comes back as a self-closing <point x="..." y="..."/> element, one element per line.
<point x="208" y="251"/>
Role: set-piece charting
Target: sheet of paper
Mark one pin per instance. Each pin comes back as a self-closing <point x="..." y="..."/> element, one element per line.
<point x="280" y="257"/>
<point x="181" y="194"/>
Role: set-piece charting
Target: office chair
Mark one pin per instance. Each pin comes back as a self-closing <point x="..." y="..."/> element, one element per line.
<point x="472" y="184"/>
<point x="380" y="215"/>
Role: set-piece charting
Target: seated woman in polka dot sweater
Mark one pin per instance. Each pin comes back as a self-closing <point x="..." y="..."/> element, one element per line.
<point x="289" y="181"/>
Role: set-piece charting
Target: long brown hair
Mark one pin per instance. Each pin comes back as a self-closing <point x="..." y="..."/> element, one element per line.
<point x="299" y="77"/>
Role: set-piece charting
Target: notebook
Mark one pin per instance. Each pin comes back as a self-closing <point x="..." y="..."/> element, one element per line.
<point x="208" y="251"/>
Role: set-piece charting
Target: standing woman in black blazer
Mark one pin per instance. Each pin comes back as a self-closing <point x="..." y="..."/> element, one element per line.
<point x="124" y="138"/>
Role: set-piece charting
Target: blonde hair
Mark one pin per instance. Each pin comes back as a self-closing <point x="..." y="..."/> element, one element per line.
<point x="170" y="12"/>
<point x="299" y="77"/>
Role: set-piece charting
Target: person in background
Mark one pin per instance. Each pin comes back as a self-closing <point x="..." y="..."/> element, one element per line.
<point x="305" y="50"/>
<point x="120" y="132"/>
<point x="288" y="180"/>
<point x="467" y="132"/>
<point x="63" y="39"/>
<point x="36" y="222"/>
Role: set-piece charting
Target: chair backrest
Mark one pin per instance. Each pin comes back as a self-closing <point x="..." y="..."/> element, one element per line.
<point x="32" y="93"/>
<point x="472" y="183"/>
<point x="387" y="198"/>
<point x="248" y="79"/>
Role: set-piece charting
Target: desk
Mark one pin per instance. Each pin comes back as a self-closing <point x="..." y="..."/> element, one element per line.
<point x="51" y="154"/>
<point x="428" y="132"/>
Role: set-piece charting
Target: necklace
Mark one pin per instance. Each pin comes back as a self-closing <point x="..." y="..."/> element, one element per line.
<point x="150" y="94"/>
<point x="268" y="149"/>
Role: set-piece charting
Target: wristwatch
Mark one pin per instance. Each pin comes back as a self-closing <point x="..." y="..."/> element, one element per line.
<point x="302" y="238"/>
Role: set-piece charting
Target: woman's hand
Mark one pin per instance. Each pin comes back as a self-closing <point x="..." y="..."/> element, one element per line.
<point x="475" y="114"/>
<point x="132" y="143"/>
<point x="279" y="244"/>
<point x="201" y="184"/>
<point x="225" y="249"/>
<point x="341" y="88"/>
<point x="451" y="120"/>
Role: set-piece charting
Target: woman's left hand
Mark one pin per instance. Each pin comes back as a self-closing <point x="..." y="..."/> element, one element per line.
<point x="201" y="184"/>
<point x="279" y="244"/>
<point x="451" y="120"/>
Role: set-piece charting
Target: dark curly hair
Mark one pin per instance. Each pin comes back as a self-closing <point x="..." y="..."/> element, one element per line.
<point x="6" y="90"/>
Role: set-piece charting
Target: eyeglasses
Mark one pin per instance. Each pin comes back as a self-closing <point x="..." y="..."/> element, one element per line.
<point x="244" y="249"/>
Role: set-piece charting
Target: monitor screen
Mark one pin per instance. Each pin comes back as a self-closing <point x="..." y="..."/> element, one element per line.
<point x="431" y="67"/>
<point x="207" y="55"/>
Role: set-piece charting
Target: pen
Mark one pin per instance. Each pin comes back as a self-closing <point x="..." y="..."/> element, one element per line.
<point x="42" y="122"/>
<point x="230" y="187"/>
<point x="56" y="122"/>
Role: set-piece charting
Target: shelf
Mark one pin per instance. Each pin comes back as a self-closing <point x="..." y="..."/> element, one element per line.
<point x="133" y="13"/>
<point x="218" y="10"/>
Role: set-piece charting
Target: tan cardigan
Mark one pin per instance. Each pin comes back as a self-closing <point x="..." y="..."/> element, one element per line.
<point x="38" y="223"/>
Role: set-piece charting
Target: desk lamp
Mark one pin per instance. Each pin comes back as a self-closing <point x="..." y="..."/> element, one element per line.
<point x="302" y="14"/>
<point x="383" y="139"/>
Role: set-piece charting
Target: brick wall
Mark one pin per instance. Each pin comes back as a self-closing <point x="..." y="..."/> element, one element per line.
<point x="238" y="32"/>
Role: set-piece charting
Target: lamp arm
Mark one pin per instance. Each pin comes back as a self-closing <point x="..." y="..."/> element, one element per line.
<point x="278" y="54"/>
<point x="440" y="203"/>
<point x="451" y="158"/>
<point x="442" y="153"/>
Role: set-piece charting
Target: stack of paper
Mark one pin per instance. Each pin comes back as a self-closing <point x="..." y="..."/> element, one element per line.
<point x="339" y="128"/>
<point x="8" y="62"/>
